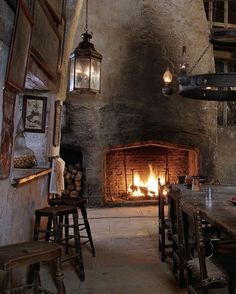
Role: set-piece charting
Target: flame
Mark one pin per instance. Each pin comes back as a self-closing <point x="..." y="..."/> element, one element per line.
<point x="151" y="186"/>
<point x="86" y="71"/>
<point x="167" y="76"/>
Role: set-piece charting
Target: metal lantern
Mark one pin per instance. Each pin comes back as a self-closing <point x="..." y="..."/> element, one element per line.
<point x="85" y="65"/>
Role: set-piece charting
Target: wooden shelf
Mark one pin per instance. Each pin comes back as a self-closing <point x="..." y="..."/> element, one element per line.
<point x="21" y="176"/>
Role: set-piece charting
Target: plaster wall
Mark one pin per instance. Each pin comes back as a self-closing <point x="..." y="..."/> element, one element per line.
<point x="17" y="205"/>
<point x="137" y="40"/>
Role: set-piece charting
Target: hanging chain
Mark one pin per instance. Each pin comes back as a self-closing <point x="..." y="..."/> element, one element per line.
<point x="86" y="25"/>
<point x="200" y="57"/>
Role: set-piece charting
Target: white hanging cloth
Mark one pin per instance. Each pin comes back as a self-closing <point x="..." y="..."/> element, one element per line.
<point x="57" y="176"/>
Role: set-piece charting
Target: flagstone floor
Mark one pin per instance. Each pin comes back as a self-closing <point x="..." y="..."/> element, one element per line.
<point x="127" y="258"/>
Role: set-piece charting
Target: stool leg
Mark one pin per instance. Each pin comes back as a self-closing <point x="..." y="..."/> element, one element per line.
<point x="48" y="229"/>
<point x="36" y="227"/>
<point x="87" y="227"/>
<point x="79" y="257"/>
<point x="60" y="226"/>
<point x="59" y="277"/>
<point x="56" y="230"/>
<point x="7" y="282"/>
<point x="67" y="233"/>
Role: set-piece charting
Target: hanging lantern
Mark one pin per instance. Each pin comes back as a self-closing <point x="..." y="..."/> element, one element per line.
<point x="85" y="65"/>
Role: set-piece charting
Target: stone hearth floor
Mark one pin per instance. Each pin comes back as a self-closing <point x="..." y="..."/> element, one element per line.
<point x="127" y="258"/>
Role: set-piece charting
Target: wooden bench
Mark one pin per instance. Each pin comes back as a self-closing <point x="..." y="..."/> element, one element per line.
<point x="30" y="254"/>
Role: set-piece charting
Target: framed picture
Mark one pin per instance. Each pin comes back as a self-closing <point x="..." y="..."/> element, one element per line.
<point x="57" y="123"/>
<point x="46" y="41"/>
<point x="7" y="133"/>
<point x="34" y="113"/>
<point x="20" y="47"/>
<point x="56" y="8"/>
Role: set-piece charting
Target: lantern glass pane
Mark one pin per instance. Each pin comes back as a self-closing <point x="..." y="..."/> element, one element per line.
<point x="232" y="12"/>
<point x="218" y="11"/>
<point x="72" y="71"/>
<point x="82" y="73"/>
<point x="95" y="74"/>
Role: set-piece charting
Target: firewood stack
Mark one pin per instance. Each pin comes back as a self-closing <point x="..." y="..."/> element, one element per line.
<point x="73" y="180"/>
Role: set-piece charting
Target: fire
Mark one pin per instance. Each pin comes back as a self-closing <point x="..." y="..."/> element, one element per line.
<point x="139" y="187"/>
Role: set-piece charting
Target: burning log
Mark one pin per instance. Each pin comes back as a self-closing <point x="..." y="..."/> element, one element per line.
<point x="144" y="190"/>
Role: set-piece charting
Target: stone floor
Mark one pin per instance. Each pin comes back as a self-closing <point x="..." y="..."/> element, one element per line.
<point x="127" y="258"/>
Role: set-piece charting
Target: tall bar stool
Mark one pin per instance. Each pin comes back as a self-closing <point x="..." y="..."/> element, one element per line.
<point x="30" y="254"/>
<point x="80" y="203"/>
<point x="57" y="220"/>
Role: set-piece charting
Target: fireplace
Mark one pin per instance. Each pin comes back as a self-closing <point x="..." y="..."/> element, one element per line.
<point x="135" y="172"/>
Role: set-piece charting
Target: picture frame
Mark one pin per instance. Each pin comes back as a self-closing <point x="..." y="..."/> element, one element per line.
<point x="46" y="41"/>
<point x="20" y="48"/>
<point x="56" y="8"/>
<point x="57" y="123"/>
<point x="62" y="31"/>
<point x="34" y="113"/>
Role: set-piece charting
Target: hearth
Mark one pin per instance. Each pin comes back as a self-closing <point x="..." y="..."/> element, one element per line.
<point x="135" y="172"/>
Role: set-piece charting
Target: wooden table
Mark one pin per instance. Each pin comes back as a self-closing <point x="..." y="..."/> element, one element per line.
<point x="218" y="210"/>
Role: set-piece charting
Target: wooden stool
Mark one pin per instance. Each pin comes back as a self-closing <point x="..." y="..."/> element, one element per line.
<point x="30" y="253"/>
<point x="81" y="204"/>
<point x="57" y="219"/>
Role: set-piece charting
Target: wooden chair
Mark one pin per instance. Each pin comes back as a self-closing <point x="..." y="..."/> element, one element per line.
<point x="30" y="254"/>
<point x="202" y="273"/>
<point x="80" y="203"/>
<point x="178" y="255"/>
<point x="164" y="228"/>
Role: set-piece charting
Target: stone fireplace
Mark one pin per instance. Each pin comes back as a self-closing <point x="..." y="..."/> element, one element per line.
<point x="131" y="115"/>
<point x="135" y="172"/>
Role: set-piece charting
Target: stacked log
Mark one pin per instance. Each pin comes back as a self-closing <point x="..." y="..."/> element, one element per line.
<point x="73" y="180"/>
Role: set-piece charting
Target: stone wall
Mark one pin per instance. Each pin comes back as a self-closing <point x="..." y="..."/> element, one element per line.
<point x="225" y="155"/>
<point x="137" y="40"/>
